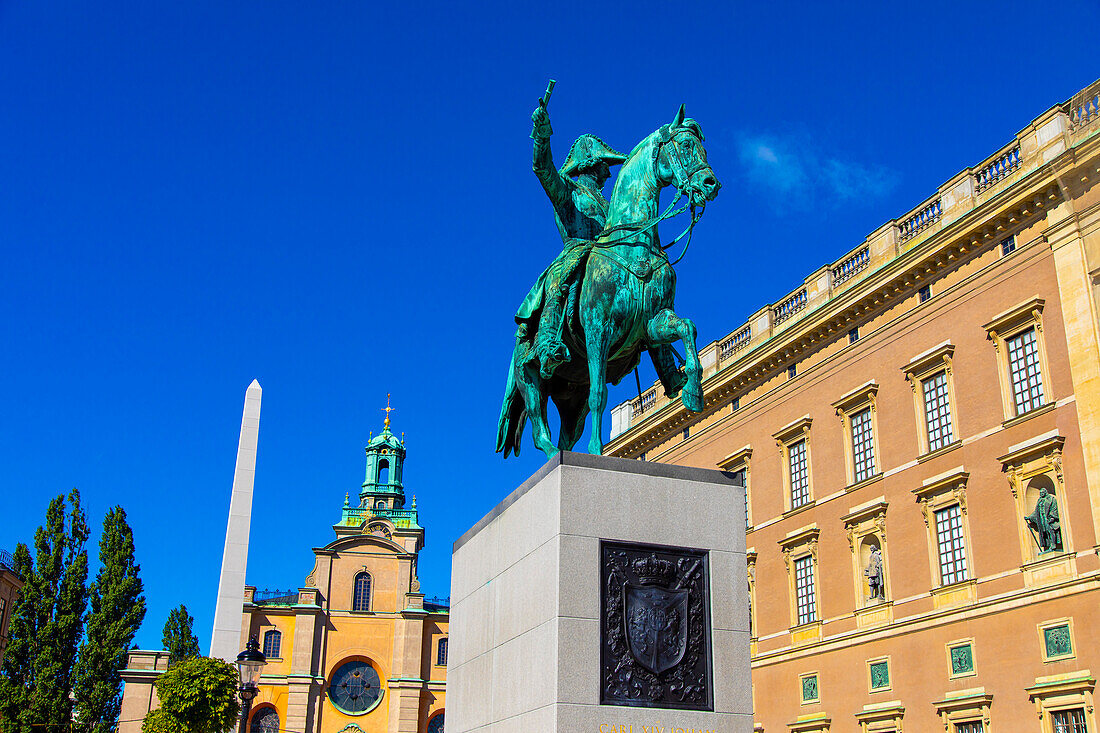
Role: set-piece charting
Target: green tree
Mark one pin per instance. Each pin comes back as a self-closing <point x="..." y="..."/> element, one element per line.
<point x="198" y="695"/>
<point x="178" y="638"/>
<point x="47" y="622"/>
<point x="117" y="610"/>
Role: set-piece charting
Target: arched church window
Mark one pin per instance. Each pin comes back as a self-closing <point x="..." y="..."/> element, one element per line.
<point x="264" y="720"/>
<point x="273" y="642"/>
<point x="355" y="687"/>
<point x="435" y="725"/>
<point x="383" y="471"/>
<point x="380" y="504"/>
<point x="361" y="598"/>
<point x="441" y="653"/>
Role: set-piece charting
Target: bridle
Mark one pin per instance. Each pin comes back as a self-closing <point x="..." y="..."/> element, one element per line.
<point x="682" y="180"/>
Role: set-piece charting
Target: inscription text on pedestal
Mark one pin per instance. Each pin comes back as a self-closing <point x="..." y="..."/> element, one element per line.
<point x="655" y="627"/>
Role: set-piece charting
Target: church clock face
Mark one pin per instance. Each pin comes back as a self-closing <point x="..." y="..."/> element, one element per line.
<point x="355" y="688"/>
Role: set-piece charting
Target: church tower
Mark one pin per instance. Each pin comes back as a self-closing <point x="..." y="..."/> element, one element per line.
<point x="382" y="487"/>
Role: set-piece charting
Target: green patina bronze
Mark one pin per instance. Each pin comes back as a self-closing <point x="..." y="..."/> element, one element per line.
<point x="610" y="294"/>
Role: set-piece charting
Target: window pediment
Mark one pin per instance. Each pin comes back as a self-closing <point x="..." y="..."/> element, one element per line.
<point x="793" y="431"/>
<point x="858" y="397"/>
<point x="1019" y="315"/>
<point x="938" y="357"/>
<point x="737" y="458"/>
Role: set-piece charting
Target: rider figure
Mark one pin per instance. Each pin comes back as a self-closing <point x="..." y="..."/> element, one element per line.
<point x="576" y="191"/>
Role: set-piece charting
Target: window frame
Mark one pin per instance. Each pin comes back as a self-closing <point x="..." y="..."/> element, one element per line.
<point x="442" y="649"/>
<point x="278" y="636"/>
<point x="1008" y="325"/>
<point x="921" y="369"/>
<point x="741" y="460"/>
<point x="935" y="495"/>
<point x="797" y="546"/>
<point x="355" y="592"/>
<point x="864" y="397"/>
<point x="959" y="709"/>
<point x="1068" y="691"/>
<point x="785" y="438"/>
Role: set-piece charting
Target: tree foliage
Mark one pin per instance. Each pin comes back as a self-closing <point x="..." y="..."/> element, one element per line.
<point x="197" y="695"/>
<point x="47" y="622"/>
<point x="117" y="610"/>
<point x="178" y="638"/>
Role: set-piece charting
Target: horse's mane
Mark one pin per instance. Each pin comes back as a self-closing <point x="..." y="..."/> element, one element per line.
<point x="688" y="124"/>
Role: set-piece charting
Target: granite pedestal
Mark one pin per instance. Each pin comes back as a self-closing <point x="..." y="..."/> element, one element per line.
<point x="530" y="617"/>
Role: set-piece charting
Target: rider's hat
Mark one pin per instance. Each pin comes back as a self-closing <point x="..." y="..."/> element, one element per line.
<point x="586" y="151"/>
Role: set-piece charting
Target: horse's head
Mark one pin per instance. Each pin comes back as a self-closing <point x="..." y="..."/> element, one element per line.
<point x="682" y="160"/>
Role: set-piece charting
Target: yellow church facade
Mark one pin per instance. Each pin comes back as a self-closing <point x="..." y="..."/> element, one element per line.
<point x="356" y="649"/>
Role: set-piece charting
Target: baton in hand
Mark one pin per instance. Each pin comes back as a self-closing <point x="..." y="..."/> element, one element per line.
<point x="545" y="98"/>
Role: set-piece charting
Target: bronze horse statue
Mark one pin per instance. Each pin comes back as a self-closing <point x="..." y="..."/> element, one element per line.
<point x="624" y="303"/>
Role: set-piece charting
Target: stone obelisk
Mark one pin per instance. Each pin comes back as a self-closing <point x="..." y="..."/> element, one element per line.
<point x="226" y="640"/>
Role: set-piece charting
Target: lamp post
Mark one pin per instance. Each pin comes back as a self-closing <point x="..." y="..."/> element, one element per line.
<point x="250" y="663"/>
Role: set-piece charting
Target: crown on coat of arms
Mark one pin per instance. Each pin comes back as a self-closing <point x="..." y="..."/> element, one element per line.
<point x="652" y="571"/>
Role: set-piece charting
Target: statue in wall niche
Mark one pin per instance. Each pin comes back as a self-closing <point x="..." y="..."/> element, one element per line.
<point x="876" y="579"/>
<point x="1044" y="524"/>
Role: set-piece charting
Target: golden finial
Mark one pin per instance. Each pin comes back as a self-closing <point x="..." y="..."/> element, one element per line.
<point x="387" y="409"/>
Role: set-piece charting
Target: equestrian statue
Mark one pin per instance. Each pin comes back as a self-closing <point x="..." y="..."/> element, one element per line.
<point x="611" y="292"/>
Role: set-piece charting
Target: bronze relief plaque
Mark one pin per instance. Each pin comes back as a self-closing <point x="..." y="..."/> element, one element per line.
<point x="655" y="627"/>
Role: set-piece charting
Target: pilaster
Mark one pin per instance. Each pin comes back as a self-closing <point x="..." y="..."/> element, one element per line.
<point x="1079" y="313"/>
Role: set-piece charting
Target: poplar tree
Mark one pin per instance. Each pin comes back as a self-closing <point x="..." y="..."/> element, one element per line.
<point x="178" y="637"/>
<point x="47" y="622"/>
<point x="117" y="610"/>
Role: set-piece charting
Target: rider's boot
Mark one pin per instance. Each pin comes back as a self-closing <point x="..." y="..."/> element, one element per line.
<point x="549" y="348"/>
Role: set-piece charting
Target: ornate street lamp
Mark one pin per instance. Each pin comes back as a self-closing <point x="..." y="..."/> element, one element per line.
<point x="250" y="663"/>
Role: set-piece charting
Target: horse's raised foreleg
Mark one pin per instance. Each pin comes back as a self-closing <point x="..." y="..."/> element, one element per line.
<point x="530" y="383"/>
<point x="666" y="327"/>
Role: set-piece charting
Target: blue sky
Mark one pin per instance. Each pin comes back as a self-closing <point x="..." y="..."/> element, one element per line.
<point x="336" y="199"/>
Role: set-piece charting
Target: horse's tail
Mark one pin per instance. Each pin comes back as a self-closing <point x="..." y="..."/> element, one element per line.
<point x="513" y="414"/>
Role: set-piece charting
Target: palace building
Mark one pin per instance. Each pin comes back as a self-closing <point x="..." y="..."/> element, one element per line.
<point x="918" y="426"/>
<point x="356" y="649"/>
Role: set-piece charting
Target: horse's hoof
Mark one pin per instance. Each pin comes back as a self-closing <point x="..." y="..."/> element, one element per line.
<point x="692" y="397"/>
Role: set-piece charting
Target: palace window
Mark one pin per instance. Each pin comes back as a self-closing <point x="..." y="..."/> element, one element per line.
<point x="853" y="335"/>
<point x="804" y="590"/>
<point x="1068" y="721"/>
<point x="863" y="445"/>
<point x="930" y="376"/>
<point x="966" y="711"/>
<point x="1017" y="339"/>
<point x="800" y="556"/>
<point x="943" y="503"/>
<point x="737" y="463"/>
<point x="925" y="293"/>
<point x="937" y="411"/>
<point x="969" y="726"/>
<point x="361" y="598"/>
<point x="1008" y="245"/>
<point x="952" y="547"/>
<point x="800" y="478"/>
<point x="857" y="412"/>
<point x="441" y="653"/>
<point x="273" y="642"/>
<point x="1023" y="366"/>
<point x="794" y="445"/>
<point x="792" y="371"/>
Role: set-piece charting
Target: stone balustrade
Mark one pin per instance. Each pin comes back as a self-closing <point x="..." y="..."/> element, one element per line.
<point x="1001" y="166"/>
<point x="1045" y="138"/>
<point x="925" y="217"/>
<point x="736" y="342"/>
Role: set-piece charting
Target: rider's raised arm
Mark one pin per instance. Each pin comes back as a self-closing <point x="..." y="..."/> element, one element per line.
<point x="543" y="162"/>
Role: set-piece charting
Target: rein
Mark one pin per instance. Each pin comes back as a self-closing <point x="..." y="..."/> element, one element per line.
<point x="635" y="229"/>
